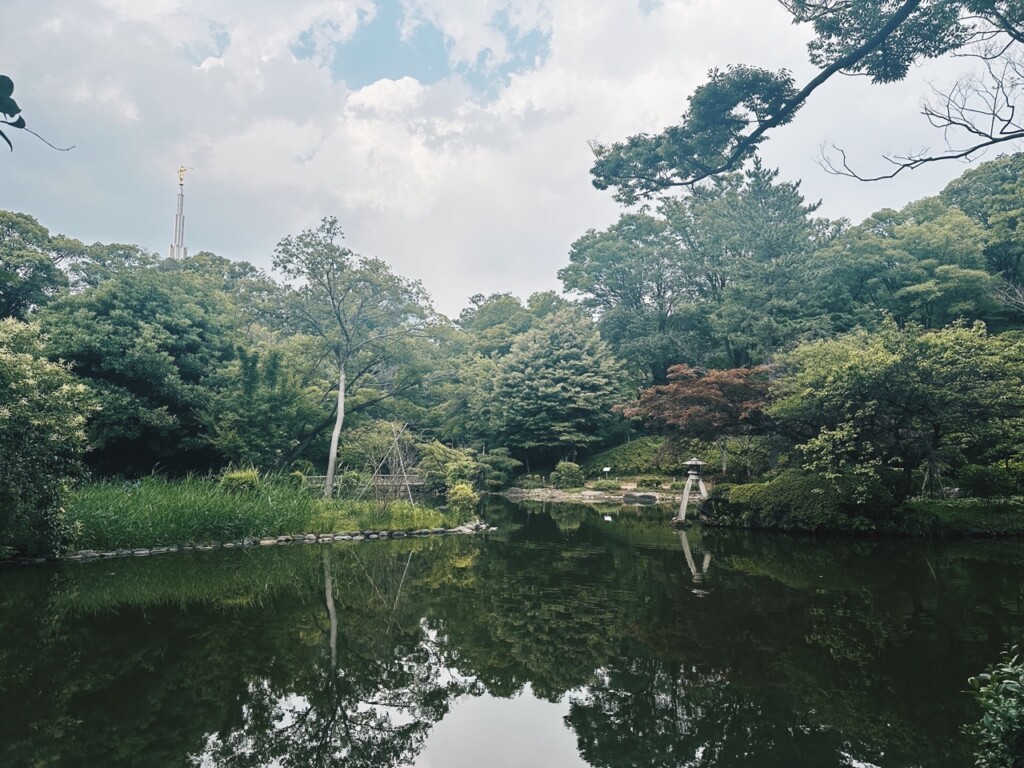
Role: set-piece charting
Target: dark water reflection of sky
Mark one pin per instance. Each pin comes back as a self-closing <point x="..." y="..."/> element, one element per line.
<point x="560" y="639"/>
<point x="502" y="733"/>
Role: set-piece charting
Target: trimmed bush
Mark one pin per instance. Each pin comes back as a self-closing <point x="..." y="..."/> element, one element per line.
<point x="497" y="467"/>
<point x="649" y="481"/>
<point x="240" y="480"/>
<point x="567" y="475"/>
<point x="605" y="485"/>
<point x="463" y="500"/>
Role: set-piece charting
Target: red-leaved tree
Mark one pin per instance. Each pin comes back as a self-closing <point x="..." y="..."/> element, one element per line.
<point x="707" y="404"/>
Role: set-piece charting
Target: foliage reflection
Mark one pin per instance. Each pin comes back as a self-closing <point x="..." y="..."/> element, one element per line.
<point x="702" y="649"/>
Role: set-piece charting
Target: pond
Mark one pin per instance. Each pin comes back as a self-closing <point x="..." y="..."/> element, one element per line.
<point x="559" y="639"/>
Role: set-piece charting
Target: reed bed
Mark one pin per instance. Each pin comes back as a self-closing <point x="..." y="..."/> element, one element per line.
<point x="156" y="511"/>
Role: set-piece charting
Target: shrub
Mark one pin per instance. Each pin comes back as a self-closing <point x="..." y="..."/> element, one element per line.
<point x="643" y="454"/>
<point x="985" y="482"/>
<point x="461" y="472"/>
<point x="240" y="480"/>
<point x="801" y="501"/>
<point x="959" y="517"/>
<point x="567" y="475"/>
<point x="605" y="485"/>
<point x="999" y="735"/>
<point x="649" y="481"/>
<point x="530" y="482"/>
<point x="717" y="506"/>
<point x="462" y="500"/>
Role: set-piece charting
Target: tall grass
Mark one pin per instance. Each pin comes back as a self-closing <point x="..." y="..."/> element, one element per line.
<point x="160" y="512"/>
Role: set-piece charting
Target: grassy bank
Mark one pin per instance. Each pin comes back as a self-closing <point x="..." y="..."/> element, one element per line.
<point x="159" y="512"/>
<point x="798" y="502"/>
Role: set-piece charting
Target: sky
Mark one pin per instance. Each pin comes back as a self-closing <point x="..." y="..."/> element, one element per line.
<point x="450" y="138"/>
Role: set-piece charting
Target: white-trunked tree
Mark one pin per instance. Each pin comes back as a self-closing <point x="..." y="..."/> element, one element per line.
<point x="364" y="315"/>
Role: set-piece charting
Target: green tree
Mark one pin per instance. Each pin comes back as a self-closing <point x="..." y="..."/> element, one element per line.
<point x="465" y="410"/>
<point x="468" y="411"/>
<point x="635" y="275"/>
<point x="770" y="292"/>
<point x="42" y="439"/>
<point x="497" y="467"/>
<point x="259" y="409"/>
<point x="900" y="400"/>
<point x="442" y="468"/>
<point x="726" y="275"/>
<point x="993" y="196"/>
<point x="363" y="314"/>
<point x="556" y="388"/>
<point x="491" y="323"/>
<point x="923" y="264"/>
<point x="30" y="275"/>
<point x="146" y="341"/>
<point x="103" y="261"/>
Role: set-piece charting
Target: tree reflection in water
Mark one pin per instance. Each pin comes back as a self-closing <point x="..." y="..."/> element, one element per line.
<point x="367" y="699"/>
<point x="776" y="651"/>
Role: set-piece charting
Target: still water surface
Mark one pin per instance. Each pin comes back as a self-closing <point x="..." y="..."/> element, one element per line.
<point x="558" y="640"/>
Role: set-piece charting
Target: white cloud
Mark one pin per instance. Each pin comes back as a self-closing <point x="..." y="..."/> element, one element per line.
<point x="471" y="27"/>
<point x="468" y="194"/>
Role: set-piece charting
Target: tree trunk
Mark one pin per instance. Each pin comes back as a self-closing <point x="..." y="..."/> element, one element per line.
<point x="336" y="434"/>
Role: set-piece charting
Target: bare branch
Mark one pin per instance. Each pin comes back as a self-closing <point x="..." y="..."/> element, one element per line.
<point x="980" y="111"/>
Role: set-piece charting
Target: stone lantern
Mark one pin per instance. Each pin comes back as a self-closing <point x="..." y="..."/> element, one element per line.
<point x="693" y="469"/>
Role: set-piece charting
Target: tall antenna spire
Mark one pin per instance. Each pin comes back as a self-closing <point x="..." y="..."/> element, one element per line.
<point x="178" y="249"/>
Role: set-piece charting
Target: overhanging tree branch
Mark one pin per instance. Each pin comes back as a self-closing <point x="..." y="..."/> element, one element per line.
<point x="733" y="112"/>
<point x="693" y="170"/>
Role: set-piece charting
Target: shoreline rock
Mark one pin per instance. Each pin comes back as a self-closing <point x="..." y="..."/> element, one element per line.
<point x="89" y="555"/>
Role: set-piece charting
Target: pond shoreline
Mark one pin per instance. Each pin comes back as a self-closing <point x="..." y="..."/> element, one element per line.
<point x="89" y="555"/>
<point x="587" y="496"/>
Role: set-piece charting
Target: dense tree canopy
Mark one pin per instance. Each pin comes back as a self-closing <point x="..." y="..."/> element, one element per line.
<point x="901" y="400"/>
<point x="923" y="264"/>
<point x="198" y="363"/>
<point x="729" y="274"/>
<point x="635" y="275"/>
<point x="29" y="264"/>
<point x="146" y="341"/>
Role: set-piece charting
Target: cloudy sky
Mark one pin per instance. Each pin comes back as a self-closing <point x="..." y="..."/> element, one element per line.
<point x="449" y="137"/>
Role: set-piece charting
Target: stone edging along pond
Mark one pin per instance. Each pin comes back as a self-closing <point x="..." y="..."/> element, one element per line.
<point x="87" y="555"/>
